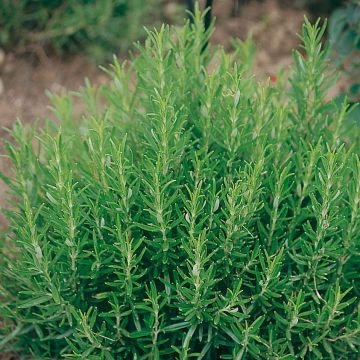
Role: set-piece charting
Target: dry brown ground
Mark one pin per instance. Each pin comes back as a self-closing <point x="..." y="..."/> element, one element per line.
<point x="273" y="26"/>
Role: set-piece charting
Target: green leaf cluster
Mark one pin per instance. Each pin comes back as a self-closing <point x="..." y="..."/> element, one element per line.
<point x="95" y="27"/>
<point x="193" y="212"/>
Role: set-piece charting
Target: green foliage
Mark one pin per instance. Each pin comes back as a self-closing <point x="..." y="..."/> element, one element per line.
<point x="344" y="35"/>
<point x="191" y="213"/>
<point x="98" y="27"/>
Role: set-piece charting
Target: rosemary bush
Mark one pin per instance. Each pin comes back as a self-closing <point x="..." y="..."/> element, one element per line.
<point x="191" y="213"/>
<point x="96" y="27"/>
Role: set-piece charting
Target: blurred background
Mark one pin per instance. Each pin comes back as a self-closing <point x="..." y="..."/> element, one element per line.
<point x="55" y="44"/>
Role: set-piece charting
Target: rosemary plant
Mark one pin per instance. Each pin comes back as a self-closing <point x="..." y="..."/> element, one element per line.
<point x="190" y="213"/>
<point x="94" y="27"/>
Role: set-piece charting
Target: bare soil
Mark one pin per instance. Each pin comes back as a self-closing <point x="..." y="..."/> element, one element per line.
<point x="273" y="26"/>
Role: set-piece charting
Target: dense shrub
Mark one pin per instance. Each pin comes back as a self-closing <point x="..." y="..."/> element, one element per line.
<point x="190" y="213"/>
<point x="98" y="27"/>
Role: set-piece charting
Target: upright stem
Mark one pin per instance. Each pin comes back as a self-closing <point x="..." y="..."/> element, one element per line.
<point x="208" y="16"/>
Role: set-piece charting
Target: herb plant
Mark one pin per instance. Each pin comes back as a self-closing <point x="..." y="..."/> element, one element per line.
<point x="191" y="213"/>
<point x="96" y="27"/>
